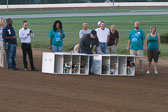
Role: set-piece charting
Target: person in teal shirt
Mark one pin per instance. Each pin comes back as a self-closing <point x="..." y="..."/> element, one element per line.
<point x="153" y="44"/>
<point x="136" y="43"/>
<point x="56" y="37"/>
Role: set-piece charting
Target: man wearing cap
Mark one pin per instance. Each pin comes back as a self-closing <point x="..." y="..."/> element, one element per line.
<point x="87" y="43"/>
<point x="103" y="33"/>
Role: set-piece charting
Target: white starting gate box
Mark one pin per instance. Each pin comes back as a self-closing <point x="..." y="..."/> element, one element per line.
<point x="78" y="64"/>
<point x="114" y="65"/>
<point x="65" y="63"/>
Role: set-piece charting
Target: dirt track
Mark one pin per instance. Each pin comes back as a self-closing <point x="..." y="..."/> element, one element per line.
<point x="22" y="91"/>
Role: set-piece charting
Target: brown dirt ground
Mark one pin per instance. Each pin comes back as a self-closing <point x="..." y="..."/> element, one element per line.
<point x="22" y="91"/>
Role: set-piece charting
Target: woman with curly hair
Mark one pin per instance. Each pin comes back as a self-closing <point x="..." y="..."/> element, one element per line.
<point x="56" y="37"/>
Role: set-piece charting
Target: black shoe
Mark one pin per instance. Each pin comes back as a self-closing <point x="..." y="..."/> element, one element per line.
<point x="34" y="69"/>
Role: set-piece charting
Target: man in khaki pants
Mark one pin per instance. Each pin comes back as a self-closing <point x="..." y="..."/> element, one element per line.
<point x="2" y="23"/>
<point x="136" y="44"/>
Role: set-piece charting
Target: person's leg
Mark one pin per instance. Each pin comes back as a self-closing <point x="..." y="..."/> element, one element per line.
<point x="90" y="64"/>
<point x="156" y="59"/>
<point x="149" y="53"/>
<point x="108" y="49"/>
<point x="9" y="53"/>
<point x="113" y="47"/>
<point x="141" y="54"/>
<point x="54" y="49"/>
<point x="90" y="61"/>
<point x="30" y="54"/>
<point x="104" y="48"/>
<point x="60" y="48"/>
<point x="1" y="54"/>
<point x="24" y="52"/>
<point x="14" y="56"/>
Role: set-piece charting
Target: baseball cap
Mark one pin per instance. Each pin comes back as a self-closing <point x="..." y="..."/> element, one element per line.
<point x="94" y="33"/>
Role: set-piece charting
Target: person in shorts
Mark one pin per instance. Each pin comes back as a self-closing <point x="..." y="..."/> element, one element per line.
<point x="153" y="49"/>
<point x="136" y="44"/>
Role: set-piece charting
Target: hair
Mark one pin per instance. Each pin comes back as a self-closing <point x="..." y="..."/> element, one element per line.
<point x="113" y="26"/>
<point x="25" y="21"/>
<point x="84" y="23"/>
<point x="137" y="22"/>
<point x="1" y="20"/>
<point x="8" y="19"/>
<point x="55" y="23"/>
<point x="153" y="27"/>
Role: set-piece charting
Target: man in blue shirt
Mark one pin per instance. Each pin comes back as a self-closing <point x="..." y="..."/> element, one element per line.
<point x="10" y="42"/>
<point x="136" y="43"/>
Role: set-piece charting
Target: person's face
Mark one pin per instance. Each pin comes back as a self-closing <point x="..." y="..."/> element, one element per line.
<point x="10" y="22"/>
<point x="103" y="25"/>
<point x="153" y="30"/>
<point x="57" y="26"/>
<point x="136" y="25"/>
<point x="2" y="22"/>
<point x="85" y="25"/>
<point x="25" y="25"/>
<point x="112" y="29"/>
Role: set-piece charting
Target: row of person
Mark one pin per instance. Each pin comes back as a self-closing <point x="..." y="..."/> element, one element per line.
<point x="105" y="39"/>
<point x="8" y="44"/>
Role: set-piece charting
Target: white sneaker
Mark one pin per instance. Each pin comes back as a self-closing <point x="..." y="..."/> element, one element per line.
<point x="148" y="72"/>
<point x="156" y="72"/>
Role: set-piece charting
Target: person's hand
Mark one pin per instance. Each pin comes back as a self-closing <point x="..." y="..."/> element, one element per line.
<point x="101" y="53"/>
<point x="60" y="31"/>
<point x="14" y="37"/>
<point x="128" y="48"/>
<point x="29" y="34"/>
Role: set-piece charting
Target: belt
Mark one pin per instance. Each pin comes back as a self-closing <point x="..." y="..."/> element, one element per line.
<point x="26" y="43"/>
<point x="102" y="42"/>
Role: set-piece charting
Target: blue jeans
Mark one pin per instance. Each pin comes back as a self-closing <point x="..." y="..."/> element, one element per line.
<point x="103" y="47"/>
<point x="10" y="55"/>
<point x="57" y="48"/>
<point x="90" y="60"/>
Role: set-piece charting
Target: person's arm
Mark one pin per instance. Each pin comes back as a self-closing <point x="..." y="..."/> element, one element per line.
<point x="108" y="38"/>
<point x="76" y="48"/>
<point x="4" y="35"/>
<point x="32" y="35"/>
<point x="159" y="43"/>
<point x="147" y="40"/>
<point x="50" y="35"/>
<point x="117" y="40"/>
<point x="22" y="35"/>
<point x="128" y="46"/>
<point x="98" y="48"/>
<point x="62" y="33"/>
<point x="129" y="42"/>
<point x="144" y="42"/>
<point x="80" y="34"/>
<point x="50" y="46"/>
